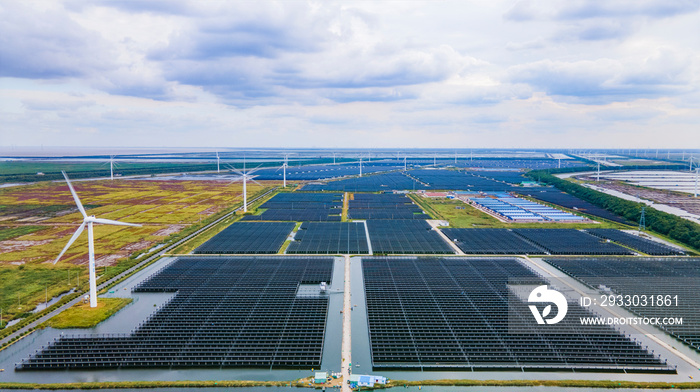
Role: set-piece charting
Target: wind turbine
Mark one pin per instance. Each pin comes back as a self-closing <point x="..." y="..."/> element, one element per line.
<point x="111" y="166"/>
<point x="89" y="221"/>
<point x="217" y="162"/>
<point x="245" y="176"/>
<point x="284" y="169"/>
<point x="360" y="166"/>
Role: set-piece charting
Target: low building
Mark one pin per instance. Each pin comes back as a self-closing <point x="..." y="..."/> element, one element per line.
<point x="365" y="380"/>
<point x="320" y="377"/>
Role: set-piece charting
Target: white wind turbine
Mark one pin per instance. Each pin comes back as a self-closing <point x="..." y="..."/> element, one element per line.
<point x="284" y="167"/>
<point x="112" y="165"/>
<point x="88" y="220"/>
<point x="218" y="159"/>
<point x="245" y="175"/>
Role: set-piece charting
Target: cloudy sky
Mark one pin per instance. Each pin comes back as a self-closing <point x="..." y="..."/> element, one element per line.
<point x="497" y="73"/>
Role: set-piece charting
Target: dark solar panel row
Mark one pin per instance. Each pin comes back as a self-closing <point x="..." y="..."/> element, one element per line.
<point x="228" y="312"/>
<point x="330" y="238"/>
<point x="373" y="183"/>
<point x="646" y="278"/>
<point x="457" y="180"/>
<point x="491" y="241"/>
<point x="300" y="206"/>
<point x="384" y="206"/>
<point x="405" y="237"/>
<point x="512" y="177"/>
<point x="431" y="313"/>
<point x="296" y="215"/>
<point x="570" y="242"/>
<point x="385" y="214"/>
<point x="641" y="244"/>
<point x="320" y="172"/>
<point x="248" y="238"/>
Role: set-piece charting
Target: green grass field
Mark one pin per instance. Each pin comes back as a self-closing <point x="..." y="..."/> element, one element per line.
<point x="25" y="286"/>
<point x="8" y="233"/>
<point x="81" y="315"/>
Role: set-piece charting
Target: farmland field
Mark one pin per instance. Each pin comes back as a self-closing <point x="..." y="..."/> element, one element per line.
<point x="39" y="219"/>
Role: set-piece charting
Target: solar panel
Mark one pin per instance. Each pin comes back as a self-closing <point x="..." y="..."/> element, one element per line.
<point x="491" y="241"/>
<point x="641" y="244"/>
<point x="570" y="242"/>
<point x="330" y="238"/>
<point x="373" y="183"/>
<point x="228" y="312"/>
<point x="650" y="277"/>
<point x="405" y="237"/>
<point x="248" y="238"/>
<point x="383" y="206"/>
<point x="436" y="313"/>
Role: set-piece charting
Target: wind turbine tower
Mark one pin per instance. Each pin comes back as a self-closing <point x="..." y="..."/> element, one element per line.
<point x="217" y="162"/>
<point x="360" y="166"/>
<point x="111" y="167"/>
<point x="597" y="178"/>
<point x="89" y="221"/>
<point x="245" y="176"/>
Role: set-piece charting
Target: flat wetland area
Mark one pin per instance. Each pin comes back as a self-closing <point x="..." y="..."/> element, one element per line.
<point x="37" y="220"/>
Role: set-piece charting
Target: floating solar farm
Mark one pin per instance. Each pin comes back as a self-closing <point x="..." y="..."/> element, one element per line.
<point x="570" y="242"/>
<point x="300" y="207"/>
<point x="435" y="313"/>
<point x="644" y="245"/>
<point x="228" y="312"/>
<point x="248" y="238"/>
<point x="254" y="295"/>
<point x="330" y="238"/>
<point x="645" y="278"/>
<point x="491" y="241"/>
<point x="384" y="206"/>
<point x="406" y="237"/>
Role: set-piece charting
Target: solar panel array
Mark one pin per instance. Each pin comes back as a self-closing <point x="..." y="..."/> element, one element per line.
<point x="384" y="206"/>
<point x="457" y="180"/>
<point x="570" y="242"/>
<point x="571" y="202"/>
<point x="641" y="244"/>
<point x="647" y="277"/>
<point x="321" y="172"/>
<point x="491" y="241"/>
<point x="300" y="207"/>
<point x="228" y="312"/>
<point x="373" y="183"/>
<point x="430" y="313"/>
<point x="330" y="238"/>
<point x="248" y="238"/>
<point x="405" y="237"/>
<point x="512" y="177"/>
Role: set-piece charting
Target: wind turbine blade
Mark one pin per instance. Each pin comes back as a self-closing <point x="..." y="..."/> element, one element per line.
<point x="240" y="173"/>
<point x="113" y="222"/>
<point x="251" y="171"/>
<point x="71" y="241"/>
<point x="75" y="195"/>
<point x="250" y="179"/>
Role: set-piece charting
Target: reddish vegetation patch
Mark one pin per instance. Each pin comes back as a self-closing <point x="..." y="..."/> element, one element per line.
<point x="137" y="246"/>
<point x="210" y="211"/>
<point x="11" y="246"/>
<point x="108" y="260"/>
<point x="172" y="229"/>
